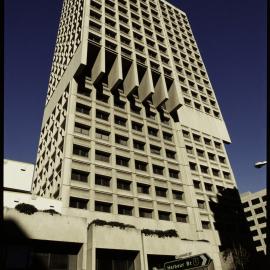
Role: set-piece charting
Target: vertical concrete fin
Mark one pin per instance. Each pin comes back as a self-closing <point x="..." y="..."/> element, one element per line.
<point x="175" y="99"/>
<point x="131" y="81"/>
<point x="146" y="86"/>
<point x="98" y="69"/>
<point x="161" y="93"/>
<point x="115" y="75"/>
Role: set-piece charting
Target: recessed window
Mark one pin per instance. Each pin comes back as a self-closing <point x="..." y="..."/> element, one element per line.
<point x="257" y="243"/>
<point x="155" y="149"/>
<point x="170" y="154"/>
<point x="81" y="108"/>
<point x="161" y="192"/>
<point x="80" y="150"/>
<point x="248" y="214"/>
<point x="201" y="204"/>
<point x="123" y="184"/>
<point x="181" y="218"/>
<point x="207" y="141"/>
<point x="206" y="225"/>
<point x="122" y="161"/>
<point x="158" y="169"/>
<point x="258" y="210"/>
<point x="226" y="175"/>
<point x="84" y="91"/>
<point x="222" y="159"/>
<point x="102" y="97"/>
<point x="152" y="131"/>
<point x="196" y="184"/>
<point x="102" y="156"/>
<point x="193" y="166"/>
<point x="261" y="220"/>
<point x="196" y="137"/>
<point x="78" y="203"/>
<point x="82" y="129"/>
<point x="140" y="165"/>
<point x="177" y="195"/>
<point x="103" y="206"/>
<point x="208" y="187"/>
<point x="217" y="145"/>
<point x="121" y="139"/>
<point x="78" y="175"/>
<point x="251" y="223"/>
<point x="173" y="173"/>
<point x="245" y="204"/>
<point x="189" y="149"/>
<point x="145" y="213"/>
<point x="138" y="145"/>
<point x="102" y="115"/>
<point x="167" y="136"/>
<point x="200" y="153"/>
<point x="136" y="126"/>
<point x="102" y="134"/>
<point x="125" y="210"/>
<point x="215" y="172"/>
<point x="211" y="156"/>
<point x="102" y="180"/>
<point x="120" y="121"/>
<point x="255" y="201"/>
<point x="162" y="215"/>
<point x="142" y="188"/>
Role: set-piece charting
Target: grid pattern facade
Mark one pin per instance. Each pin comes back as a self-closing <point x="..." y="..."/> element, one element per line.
<point x="114" y="141"/>
<point x="47" y="173"/>
<point x="69" y="37"/>
<point x="159" y="36"/>
<point x="254" y="205"/>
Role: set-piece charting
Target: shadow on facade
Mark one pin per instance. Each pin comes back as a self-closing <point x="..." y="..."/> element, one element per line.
<point x="234" y="232"/>
<point x="109" y="259"/>
<point x="157" y="261"/>
<point x="20" y="252"/>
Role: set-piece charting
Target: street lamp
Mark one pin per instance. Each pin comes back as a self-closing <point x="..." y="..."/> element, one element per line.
<point x="260" y="164"/>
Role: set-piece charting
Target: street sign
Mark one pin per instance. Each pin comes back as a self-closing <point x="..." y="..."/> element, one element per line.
<point x="201" y="260"/>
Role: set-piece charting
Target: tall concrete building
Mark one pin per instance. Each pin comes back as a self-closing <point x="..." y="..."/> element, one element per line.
<point x="255" y="210"/>
<point x="132" y="132"/>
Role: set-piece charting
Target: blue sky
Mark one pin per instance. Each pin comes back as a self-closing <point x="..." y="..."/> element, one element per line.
<point x="231" y="36"/>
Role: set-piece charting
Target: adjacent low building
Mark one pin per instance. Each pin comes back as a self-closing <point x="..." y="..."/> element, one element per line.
<point x="254" y="204"/>
<point x="17" y="187"/>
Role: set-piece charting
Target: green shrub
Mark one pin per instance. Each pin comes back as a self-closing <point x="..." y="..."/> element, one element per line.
<point x="99" y="222"/>
<point x="25" y="208"/>
<point x="159" y="233"/>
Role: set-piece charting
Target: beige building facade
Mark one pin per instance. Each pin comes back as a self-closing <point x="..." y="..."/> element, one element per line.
<point x="254" y="204"/>
<point x="132" y="133"/>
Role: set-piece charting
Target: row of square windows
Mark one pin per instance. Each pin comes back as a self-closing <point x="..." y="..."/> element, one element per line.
<point x="124" y="209"/>
<point x="118" y="139"/>
<point x="124" y="161"/>
<point x="205" y="170"/>
<point x="257" y="211"/>
<point x="105" y="181"/>
<point x="199" y="139"/>
<point x="117" y="102"/>
<point x="200" y="96"/>
<point x="84" y="109"/>
<point x="201" y="154"/>
<point x="102" y="180"/>
<point x="254" y="201"/>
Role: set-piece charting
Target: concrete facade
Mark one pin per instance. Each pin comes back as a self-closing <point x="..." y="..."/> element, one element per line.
<point x="132" y="131"/>
<point x="254" y="204"/>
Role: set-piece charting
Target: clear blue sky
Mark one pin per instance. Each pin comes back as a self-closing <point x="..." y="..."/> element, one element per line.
<point x="231" y="36"/>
